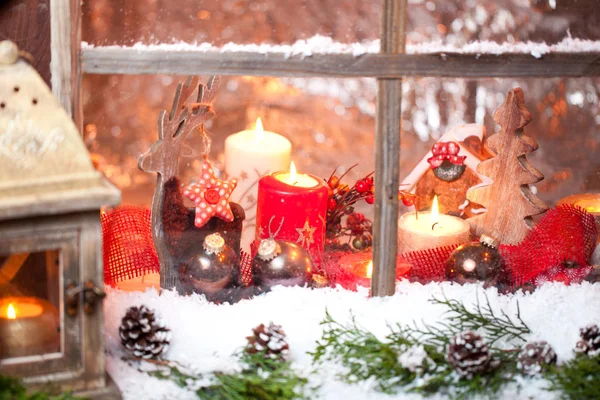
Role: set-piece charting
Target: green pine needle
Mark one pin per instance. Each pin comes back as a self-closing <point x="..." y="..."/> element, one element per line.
<point x="483" y="318"/>
<point x="577" y="379"/>
<point x="260" y="379"/>
<point x="13" y="389"/>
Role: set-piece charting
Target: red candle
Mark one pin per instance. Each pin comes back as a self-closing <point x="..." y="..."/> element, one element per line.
<point x="295" y="207"/>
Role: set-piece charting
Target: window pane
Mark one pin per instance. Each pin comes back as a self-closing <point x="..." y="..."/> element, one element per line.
<point x="109" y="22"/>
<point x="329" y="123"/>
<point x="564" y="123"/>
<point x="456" y="23"/>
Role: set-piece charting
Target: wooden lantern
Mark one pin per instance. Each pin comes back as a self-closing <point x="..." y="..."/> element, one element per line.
<point x="51" y="278"/>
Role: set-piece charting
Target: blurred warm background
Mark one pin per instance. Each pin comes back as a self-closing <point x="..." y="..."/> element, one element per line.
<point x="331" y="121"/>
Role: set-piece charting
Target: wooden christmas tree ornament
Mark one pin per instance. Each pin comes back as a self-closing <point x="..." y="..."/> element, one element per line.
<point x="510" y="204"/>
<point x="174" y="233"/>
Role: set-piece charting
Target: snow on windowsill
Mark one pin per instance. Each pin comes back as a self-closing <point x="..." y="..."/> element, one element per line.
<point x="205" y="334"/>
<point x="326" y="45"/>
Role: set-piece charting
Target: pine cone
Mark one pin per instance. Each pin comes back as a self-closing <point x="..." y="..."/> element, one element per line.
<point x="270" y="340"/>
<point x="590" y="341"/>
<point x="534" y="357"/>
<point x="468" y="354"/>
<point x="142" y="334"/>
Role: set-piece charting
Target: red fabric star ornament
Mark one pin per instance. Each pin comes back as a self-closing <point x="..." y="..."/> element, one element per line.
<point x="211" y="196"/>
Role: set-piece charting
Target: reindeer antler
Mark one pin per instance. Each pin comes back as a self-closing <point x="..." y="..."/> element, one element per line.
<point x="163" y="156"/>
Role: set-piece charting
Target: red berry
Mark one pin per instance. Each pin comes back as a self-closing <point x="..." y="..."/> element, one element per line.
<point x="370" y="199"/>
<point x="408" y="201"/>
<point x="333" y="182"/>
<point x="331" y="205"/>
<point x="362" y="187"/>
<point x="369" y="181"/>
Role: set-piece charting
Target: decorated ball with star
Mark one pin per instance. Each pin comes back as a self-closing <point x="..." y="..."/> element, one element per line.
<point x="210" y="196"/>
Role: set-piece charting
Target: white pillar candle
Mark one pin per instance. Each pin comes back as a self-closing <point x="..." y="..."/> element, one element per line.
<point x="250" y="155"/>
<point x="429" y="230"/>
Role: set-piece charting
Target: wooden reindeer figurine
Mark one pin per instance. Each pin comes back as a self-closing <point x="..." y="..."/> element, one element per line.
<point x="173" y="230"/>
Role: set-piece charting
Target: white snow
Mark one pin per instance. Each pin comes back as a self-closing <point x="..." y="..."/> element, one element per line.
<point x="325" y="45"/>
<point x="205" y="335"/>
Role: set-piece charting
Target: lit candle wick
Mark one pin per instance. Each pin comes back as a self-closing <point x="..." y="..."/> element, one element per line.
<point x="258" y="128"/>
<point x="434" y="224"/>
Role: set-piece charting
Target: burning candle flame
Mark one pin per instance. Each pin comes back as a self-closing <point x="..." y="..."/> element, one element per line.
<point x="11" y="313"/>
<point x="435" y="211"/>
<point x="258" y="128"/>
<point x="370" y="269"/>
<point x="293" y="173"/>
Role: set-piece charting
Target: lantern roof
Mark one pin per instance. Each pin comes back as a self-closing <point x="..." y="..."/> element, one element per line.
<point x="45" y="167"/>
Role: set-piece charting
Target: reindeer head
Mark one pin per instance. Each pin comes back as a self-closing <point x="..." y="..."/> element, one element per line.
<point x="163" y="156"/>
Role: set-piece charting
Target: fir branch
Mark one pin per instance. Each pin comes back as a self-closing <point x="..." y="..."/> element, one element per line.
<point x="577" y="379"/>
<point x="483" y="317"/>
<point x="260" y="378"/>
<point x="363" y="355"/>
<point x="12" y="389"/>
<point x="367" y="357"/>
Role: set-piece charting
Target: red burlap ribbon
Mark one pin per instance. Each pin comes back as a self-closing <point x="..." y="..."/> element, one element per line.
<point x="557" y="249"/>
<point x="128" y="249"/>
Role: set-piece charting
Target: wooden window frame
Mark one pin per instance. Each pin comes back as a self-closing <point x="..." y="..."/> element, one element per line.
<point x="389" y="67"/>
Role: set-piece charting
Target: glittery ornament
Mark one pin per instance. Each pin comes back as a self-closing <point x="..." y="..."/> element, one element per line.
<point x="213" y="269"/>
<point x="594" y="275"/>
<point x="474" y="262"/>
<point x="534" y="357"/>
<point x="210" y="196"/>
<point x="279" y="262"/>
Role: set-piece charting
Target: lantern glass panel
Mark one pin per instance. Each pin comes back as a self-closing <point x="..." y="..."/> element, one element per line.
<point x="29" y="304"/>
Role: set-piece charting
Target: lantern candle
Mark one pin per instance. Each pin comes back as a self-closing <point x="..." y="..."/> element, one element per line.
<point x="28" y="326"/>
<point x="297" y="206"/>
<point x="429" y="230"/>
<point x="250" y="155"/>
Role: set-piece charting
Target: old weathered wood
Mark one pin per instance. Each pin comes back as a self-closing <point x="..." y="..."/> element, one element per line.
<point x="163" y="157"/>
<point x="76" y="69"/>
<point x="508" y="198"/>
<point x="100" y="60"/>
<point x="60" y="45"/>
<point x="27" y="23"/>
<point x="387" y="156"/>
